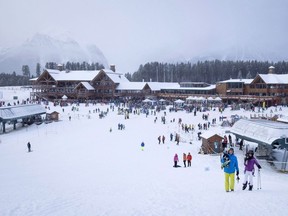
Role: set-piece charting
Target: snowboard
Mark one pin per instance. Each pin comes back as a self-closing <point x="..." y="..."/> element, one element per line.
<point x="226" y="163"/>
<point x="177" y="166"/>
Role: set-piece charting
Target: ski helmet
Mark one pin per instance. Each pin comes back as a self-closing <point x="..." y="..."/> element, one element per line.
<point x="250" y="152"/>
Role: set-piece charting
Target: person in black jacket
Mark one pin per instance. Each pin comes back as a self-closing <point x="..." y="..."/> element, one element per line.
<point x="29" y="146"/>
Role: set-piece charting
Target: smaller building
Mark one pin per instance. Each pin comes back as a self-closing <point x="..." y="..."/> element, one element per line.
<point x="211" y="143"/>
<point x="54" y="116"/>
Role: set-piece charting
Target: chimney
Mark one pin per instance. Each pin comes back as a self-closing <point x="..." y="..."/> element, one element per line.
<point x="271" y="70"/>
<point x="60" y="67"/>
<point x="113" y="68"/>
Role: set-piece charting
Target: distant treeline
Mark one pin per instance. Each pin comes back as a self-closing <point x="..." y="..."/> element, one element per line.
<point x="75" y="66"/>
<point x="13" y="80"/>
<point x="207" y="71"/>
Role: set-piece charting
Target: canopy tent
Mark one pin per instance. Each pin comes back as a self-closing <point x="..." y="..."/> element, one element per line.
<point x="201" y="98"/>
<point x="179" y="101"/>
<point x="190" y="98"/>
<point x="147" y="101"/>
<point x="64" y="97"/>
<point x="217" y="99"/>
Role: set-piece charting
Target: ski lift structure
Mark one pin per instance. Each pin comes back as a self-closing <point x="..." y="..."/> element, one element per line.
<point x="269" y="135"/>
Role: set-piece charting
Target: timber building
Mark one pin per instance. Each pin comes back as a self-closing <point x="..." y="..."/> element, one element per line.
<point x="109" y="84"/>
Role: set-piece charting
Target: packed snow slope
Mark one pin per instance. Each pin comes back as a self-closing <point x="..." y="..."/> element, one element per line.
<point x="79" y="167"/>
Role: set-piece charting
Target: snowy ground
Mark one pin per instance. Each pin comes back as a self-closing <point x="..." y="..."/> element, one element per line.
<point x="79" y="167"/>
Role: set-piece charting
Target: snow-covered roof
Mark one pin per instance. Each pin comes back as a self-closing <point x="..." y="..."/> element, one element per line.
<point x="283" y="119"/>
<point x="157" y="86"/>
<point x="263" y="131"/>
<point x="245" y="81"/>
<point x="15" y="112"/>
<point x="274" y="78"/>
<point x="116" y="77"/>
<point x="131" y="86"/>
<point x="208" y="134"/>
<point x="207" y="88"/>
<point x="72" y="75"/>
<point x="86" y="85"/>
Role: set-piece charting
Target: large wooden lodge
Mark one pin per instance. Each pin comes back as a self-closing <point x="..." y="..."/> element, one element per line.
<point x="108" y="84"/>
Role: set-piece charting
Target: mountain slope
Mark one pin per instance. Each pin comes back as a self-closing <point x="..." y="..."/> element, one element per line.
<point x="43" y="48"/>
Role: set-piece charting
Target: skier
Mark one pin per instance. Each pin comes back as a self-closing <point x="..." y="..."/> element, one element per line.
<point x="249" y="163"/>
<point x="241" y="145"/>
<point x="184" y="159"/>
<point x="29" y="146"/>
<point x="189" y="159"/>
<point x="163" y="139"/>
<point x="230" y="140"/>
<point x="230" y="169"/>
<point x="176" y="160"/>
<point x="224" y="143"/>
<point x="142" y="146"/>
<point x="171" y="136"/>
<point x="159" y="139"/>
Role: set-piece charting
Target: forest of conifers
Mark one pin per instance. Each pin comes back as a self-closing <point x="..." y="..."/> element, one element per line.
<point x="207" y="71"/>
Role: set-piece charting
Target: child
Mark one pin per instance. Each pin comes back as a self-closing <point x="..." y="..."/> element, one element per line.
<point x="249" y="163"/>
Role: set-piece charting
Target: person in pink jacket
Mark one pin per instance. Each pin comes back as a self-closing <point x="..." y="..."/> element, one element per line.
<point x="176" y="160"/>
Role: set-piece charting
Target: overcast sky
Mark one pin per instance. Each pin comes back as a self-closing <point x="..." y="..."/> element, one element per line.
<point x="133" y="32"/>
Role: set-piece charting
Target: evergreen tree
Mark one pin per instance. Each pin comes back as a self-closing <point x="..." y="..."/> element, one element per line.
<point x="26" y="70"/>
<point x="38" y="69"/>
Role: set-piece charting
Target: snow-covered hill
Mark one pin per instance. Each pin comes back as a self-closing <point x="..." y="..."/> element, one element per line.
<point x="43" y="48"/>
<point x="79" y="167"/>
<point x="243" y="53"/>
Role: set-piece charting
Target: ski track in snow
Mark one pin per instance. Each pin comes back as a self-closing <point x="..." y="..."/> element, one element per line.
<point x="78" y="167"/>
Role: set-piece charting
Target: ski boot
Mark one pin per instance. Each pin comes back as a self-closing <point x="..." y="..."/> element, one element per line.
<point x="244" y="186"/>
<point x="250" y="187"/>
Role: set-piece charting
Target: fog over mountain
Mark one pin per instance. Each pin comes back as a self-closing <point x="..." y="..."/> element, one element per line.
<point x="43" y="48"/>
<point x="131" y="33"/>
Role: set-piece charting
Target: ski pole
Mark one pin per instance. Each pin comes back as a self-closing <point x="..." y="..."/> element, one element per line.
<point x="259" y="180"/>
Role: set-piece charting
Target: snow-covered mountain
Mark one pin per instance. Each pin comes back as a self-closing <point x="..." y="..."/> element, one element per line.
<point x="244" y="53"/>
<point x="43" y="48"/>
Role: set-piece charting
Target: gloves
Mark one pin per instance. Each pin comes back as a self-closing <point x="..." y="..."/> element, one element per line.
<point x="259" y="167"/>
<point x="237" y="173"/>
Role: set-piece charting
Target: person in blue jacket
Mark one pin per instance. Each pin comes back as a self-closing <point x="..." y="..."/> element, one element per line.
<point x="229" y="170"/>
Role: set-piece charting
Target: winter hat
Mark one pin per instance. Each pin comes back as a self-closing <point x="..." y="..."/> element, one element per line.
<point x="231" y="149"/>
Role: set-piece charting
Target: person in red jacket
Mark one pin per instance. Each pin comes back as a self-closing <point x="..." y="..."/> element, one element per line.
<point x="189" y="159"/>
<point x="184" y="159"/>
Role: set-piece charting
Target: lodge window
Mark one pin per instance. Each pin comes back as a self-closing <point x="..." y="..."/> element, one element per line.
<point x="235" y="85"/>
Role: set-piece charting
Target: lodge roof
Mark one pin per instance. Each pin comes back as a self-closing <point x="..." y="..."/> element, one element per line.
<point x="116" y="77"/>
<point x="274" y="78"/>
<point x="245" y="81"/>
<point x="86" y="85"/>
<point x="72" y="75"/>
<point x="131" y="86"/>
